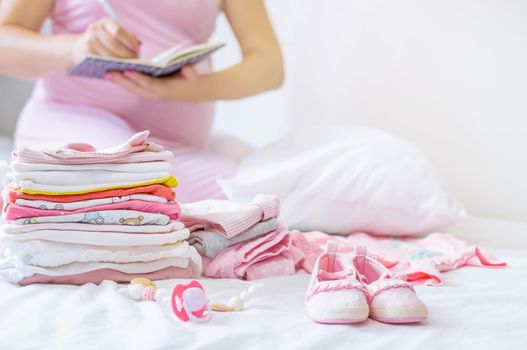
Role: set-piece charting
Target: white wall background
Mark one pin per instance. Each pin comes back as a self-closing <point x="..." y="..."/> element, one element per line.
<point x="12" y="96"/>
<point x="448" y="75"/>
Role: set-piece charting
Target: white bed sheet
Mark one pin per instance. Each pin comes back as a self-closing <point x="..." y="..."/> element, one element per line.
<point x="476" y="309"/>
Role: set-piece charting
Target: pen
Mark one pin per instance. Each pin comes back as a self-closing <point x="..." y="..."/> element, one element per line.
<point x="109" y="10"/>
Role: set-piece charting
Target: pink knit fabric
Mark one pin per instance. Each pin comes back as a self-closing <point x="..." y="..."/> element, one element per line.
<point x="415" y="260"/>
<point x="230" y="223"/>
<point x="136" y="149"/>
<point x="15" y="211"/>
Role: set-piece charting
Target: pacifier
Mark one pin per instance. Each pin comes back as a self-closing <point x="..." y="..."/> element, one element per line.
<point x="189" y="302"/>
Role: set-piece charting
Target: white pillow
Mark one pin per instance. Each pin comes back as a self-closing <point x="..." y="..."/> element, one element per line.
<point x="345" y="179"/>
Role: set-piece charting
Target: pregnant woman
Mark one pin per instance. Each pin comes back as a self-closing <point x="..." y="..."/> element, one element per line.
<point x="177" y="110"/>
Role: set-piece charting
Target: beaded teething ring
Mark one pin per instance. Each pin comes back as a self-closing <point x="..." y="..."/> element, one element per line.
<point x="189" y="301"/>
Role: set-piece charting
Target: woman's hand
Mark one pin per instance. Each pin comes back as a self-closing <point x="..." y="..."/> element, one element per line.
<point x="105" y="38"/>
<point x="260" y="70"/>
<point x="170" y="88"/>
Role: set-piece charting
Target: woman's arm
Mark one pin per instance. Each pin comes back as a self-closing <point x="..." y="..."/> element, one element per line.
<point x="27" y="54"/>
<point x="262" y="66"/>
<point x="260" y="70"/>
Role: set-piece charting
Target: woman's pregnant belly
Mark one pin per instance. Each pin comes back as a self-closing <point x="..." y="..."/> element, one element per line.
<point x="189" y="123"/>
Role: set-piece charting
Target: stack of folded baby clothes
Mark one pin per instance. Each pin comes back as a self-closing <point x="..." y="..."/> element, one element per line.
<point x="76" y="215"/>
<point x="241" y="240"/>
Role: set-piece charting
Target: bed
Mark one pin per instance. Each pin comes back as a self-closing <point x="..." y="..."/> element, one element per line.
<point x="475" y="309"/>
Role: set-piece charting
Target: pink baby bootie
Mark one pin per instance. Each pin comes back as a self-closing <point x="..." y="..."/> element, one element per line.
<point x="391" y="299"/>
<point x="335" y="294"/>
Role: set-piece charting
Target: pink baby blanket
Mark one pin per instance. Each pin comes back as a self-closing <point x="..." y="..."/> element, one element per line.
<point x="416" y="260"/>
<point x="229" y="218"/>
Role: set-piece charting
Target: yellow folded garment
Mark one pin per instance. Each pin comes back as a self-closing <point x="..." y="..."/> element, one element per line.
<point x="169" y="181"/>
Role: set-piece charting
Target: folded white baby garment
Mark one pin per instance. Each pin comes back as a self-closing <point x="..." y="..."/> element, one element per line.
<point x="82" y="178"/>
<point x="145" y="167"/>
<point x="97" y="238"/>
<point x="108" y="217"/>
<point x="31" y="187"/>
<point x="40" y="204"/>
<point x="17" y="229"/>
<point x="14" y="271"/>
<point x="53" y="254"/>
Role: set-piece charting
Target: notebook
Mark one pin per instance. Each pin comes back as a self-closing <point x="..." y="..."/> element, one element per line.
<point x="166" y="63"/>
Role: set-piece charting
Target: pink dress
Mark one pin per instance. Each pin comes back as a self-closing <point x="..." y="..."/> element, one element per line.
<point x="66" y="109"/>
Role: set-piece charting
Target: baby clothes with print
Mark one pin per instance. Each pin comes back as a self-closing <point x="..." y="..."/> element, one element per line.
<point x="107" y="217"/>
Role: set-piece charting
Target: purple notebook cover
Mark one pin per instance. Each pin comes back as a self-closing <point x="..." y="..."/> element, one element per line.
<point x="97" y="68"/>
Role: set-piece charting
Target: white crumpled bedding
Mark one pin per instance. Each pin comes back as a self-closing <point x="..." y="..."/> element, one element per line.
<point x="475" y="309"/>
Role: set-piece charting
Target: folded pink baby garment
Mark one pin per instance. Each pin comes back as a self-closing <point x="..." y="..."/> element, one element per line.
<point x="280" y="265"/>
<point x="135" y="150"/>
<point x="211" y="243"/>
<point x="229" y="218"/>
<point x="49" y="205"/>
<point x="241" y="260"/>
<point x="97" y="276"/>
<point x="172" y="210"/>
<point x="416" y="260"/>
<point x="18" y="229"/>
<point x="147" y="167"/>
<point x="83" y="177"/>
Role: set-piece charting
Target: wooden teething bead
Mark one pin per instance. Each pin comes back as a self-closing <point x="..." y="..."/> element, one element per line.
<point x="145" y="282"/>
<point x="220" y="307"/>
